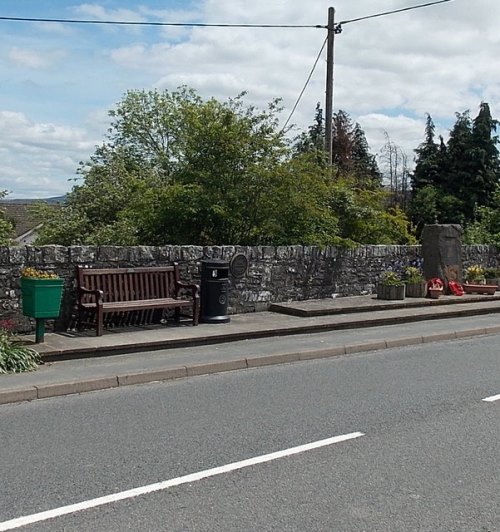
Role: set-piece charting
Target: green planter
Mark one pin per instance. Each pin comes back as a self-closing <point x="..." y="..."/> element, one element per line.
<point x="41" y="297"/>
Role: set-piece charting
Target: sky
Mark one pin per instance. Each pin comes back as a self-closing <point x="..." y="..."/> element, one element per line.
<point x="58" y="81"/>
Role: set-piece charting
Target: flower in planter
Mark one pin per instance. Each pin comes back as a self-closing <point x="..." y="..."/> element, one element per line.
<point x="390" y="286"/>
<point x="33" y="273"/>
<point x="413" y="275"/>
<point x="475" y="274"/>
<point x="390" y="278"/>
<point x="415" y="282"/>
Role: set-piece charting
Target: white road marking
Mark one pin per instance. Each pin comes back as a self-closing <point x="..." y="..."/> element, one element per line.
<point x="492" y="398"/>
<point x="143" y="490"/>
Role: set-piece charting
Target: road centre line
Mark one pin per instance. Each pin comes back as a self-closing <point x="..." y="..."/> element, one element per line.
<point x="159" y="486"/>
<point x="492" y="398"/>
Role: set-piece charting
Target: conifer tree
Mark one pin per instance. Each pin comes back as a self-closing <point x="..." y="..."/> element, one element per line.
<point x="484" y="153"/>
<point x="351" y="152"/>
<point x="427" y="163"/>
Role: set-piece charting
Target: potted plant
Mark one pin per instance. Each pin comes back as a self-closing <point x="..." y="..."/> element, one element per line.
<point x="492" y="276"/>
<point x="41" y="294"/>
<point x="390" y="286"/>
<point x="475" y="281"/>
<point x="415" y="282"/>
<point x="435" y="288"/>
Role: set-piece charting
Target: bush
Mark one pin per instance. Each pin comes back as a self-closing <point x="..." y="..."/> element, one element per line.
<point x="413" y="275"/>
<point x="491" y="273"/>
<point x="14" y="357"/>
<point x="390" y="278"/>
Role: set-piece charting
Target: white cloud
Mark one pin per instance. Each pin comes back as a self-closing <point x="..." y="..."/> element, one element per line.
<point x="37" y="159"/>
<point x="33" y="58"/>
<point x="389" y="71"/>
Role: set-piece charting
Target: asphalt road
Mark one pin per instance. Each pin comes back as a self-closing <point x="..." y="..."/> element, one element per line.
<point x="428" y="459"/>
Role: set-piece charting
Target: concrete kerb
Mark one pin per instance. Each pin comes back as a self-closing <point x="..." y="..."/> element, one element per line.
<point x="77" y="387"/>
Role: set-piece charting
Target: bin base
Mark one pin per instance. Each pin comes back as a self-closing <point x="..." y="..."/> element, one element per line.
<point x="215" y="319"/>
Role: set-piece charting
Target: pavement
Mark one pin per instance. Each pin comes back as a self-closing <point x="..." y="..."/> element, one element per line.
<point x="288" y="332"/>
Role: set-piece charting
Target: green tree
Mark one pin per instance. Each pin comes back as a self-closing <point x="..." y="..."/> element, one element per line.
<point x="177" y="169"/>
<point x="486" y="163"/>
<point x="428" y="165"/>
<point x="6" y="227"/>
<point x="313" y="140"/>
<point x="453" y="181"/>
<point x="351" y="152"/>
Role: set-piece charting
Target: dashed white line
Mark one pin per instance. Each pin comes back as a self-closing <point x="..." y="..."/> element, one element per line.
<point x="492" y="399"/>
<point x="144" y="490"/>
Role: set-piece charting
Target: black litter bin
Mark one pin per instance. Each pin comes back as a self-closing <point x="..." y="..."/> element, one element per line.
<point x="214" y="291"/>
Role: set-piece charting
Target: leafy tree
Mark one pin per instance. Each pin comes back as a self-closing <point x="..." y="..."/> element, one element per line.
<point x="6" y="227"/>
<point x="486" y="227"/>
<point x="178" y="169"/>
<point x="364" y="218"/>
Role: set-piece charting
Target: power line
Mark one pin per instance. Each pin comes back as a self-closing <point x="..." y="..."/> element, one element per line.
<point x="139" y="23"/>
<point x="392" y="12"/>
<point x="209" y="25"/>
<point x="306" y="84"/>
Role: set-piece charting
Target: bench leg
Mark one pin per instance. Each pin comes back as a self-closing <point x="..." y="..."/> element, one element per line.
<point x="196" y="310"/>
<point x="99" y="320"/>
<point x="177" y="314"/>
<point x="79" y="318"/>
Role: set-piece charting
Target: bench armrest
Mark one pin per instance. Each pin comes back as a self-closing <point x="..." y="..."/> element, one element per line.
<point x="195" y="289"/>
<point x="98" y="294"/>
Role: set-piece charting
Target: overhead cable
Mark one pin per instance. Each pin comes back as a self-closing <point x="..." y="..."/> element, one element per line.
<point x="144" y="23"/>
<point x="391" y="12"/>
<point x="306" y="84"/>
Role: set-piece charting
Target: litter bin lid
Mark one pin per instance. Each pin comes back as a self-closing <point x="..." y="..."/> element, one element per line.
<point x="215" y="263"/>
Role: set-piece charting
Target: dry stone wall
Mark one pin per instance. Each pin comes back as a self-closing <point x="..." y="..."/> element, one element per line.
<point x="275" y="274"/>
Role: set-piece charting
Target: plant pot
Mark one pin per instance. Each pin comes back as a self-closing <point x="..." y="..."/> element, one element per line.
<point x="41" y="298"/>
<point x="470" y="288"/>
<point x="416" y="289"/>
<point x="435" y="293"/>
<point x="493" y="280"/>
<point x="390" y="292"/>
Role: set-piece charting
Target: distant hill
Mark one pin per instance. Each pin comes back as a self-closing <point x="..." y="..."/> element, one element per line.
<point x="50" y="201"/>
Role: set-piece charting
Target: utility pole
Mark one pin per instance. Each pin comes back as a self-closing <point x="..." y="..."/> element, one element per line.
<point x="329" y="85"/>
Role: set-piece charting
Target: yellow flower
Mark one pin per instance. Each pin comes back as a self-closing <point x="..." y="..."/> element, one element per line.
<point x="33" y="273"/>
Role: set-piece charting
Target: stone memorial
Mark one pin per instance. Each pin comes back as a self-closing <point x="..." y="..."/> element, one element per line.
<point x="442" y="252"/>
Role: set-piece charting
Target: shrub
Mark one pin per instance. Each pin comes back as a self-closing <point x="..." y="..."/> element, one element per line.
<point x="390" y="278"/>
<point x="491" y="273"/>
<point x="14" y="357"/>
<point x="413" y="275"/>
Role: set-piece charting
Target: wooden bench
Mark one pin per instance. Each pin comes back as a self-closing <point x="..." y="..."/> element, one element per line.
<point x="117" y="292"/>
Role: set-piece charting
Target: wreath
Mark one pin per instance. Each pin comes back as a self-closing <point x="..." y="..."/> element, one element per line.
<point x="436" y="283"/>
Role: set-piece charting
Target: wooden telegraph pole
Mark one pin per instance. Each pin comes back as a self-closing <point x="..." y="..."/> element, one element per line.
<point x="329" y="84"/>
